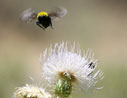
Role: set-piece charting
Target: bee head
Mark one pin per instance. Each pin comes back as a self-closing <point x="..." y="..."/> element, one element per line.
<point x="42" y="14"/>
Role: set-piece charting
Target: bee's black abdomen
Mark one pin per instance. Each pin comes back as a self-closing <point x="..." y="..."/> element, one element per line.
<point x="45" y="21"/>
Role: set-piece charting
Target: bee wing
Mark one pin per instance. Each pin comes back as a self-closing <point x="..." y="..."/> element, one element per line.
<point x="28" y="15"/>
<point x="58" y="13"/>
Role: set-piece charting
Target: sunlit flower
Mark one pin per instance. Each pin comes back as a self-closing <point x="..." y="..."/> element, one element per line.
<point x="65" y="63"/>
<point x="30" y="91"/>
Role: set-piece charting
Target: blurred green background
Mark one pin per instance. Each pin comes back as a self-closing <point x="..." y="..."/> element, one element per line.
<point x="100" y="25"/>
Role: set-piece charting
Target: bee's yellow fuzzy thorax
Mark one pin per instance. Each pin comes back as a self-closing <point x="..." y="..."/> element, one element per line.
<point x="42" y="14"/>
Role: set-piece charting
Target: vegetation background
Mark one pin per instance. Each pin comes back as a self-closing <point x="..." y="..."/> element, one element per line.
<point x="100" y="25"/>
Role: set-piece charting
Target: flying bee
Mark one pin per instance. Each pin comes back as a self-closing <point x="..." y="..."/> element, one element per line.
<point x="43" y="19"/>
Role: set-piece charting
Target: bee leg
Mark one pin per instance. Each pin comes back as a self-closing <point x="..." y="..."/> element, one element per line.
<point x="38" y="23"/>
<point x="51" y="25"/>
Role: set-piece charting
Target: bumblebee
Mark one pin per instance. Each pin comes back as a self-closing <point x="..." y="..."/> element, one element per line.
<point x="43" y="19"/>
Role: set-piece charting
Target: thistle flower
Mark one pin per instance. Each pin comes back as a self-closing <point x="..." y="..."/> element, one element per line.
<point x="30" y="91"/>
<point x="65" y="67"/>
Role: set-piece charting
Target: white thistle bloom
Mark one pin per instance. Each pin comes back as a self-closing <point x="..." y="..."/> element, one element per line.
<point x="65" y="67"/>
<point x="30" y="91"/>
<point x="64" y="60"/>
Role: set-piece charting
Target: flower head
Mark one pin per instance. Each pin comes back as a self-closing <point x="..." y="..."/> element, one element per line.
<point x="30" y="91"/>
<point x="64" y="64"/>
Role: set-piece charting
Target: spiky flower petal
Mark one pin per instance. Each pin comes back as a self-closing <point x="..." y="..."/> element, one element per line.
<point x="64" y="62"/>
<point x="30" y="91"/>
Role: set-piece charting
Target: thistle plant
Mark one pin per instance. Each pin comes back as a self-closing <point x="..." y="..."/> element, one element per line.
<point x="66" y="69"/>
<point x="30" y="91"/>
